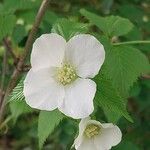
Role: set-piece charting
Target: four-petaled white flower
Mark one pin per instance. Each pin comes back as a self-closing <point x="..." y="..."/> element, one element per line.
<point x="96" y="136"/>
<point x="59" y="77"/>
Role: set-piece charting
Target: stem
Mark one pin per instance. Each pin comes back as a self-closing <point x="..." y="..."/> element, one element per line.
<point x="4" y="67"/>
<point x="146" y="76"/>
<point x="1" y="96"/>
<point x="28" y="46"/>
<point x="8" y="47"/>
<point x="131" y="42"/>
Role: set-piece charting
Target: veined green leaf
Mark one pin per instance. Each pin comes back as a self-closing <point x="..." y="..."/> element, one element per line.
<point x="17" y="93"/>
<point x="14" y="5"/>
<point x="124" y="64"/>
<point x="47" y="122"/>
<point x="111" y="26"/>
<point x="17" y="102"/>
<point x="7" y="23"/>
<point x="109" y="99"/>
<point x="68" y="28"/>
<point x="18" y="108"/>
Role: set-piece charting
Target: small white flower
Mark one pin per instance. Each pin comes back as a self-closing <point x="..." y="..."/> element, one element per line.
<point x="96" y="136"/>
<point x="59" y="77"/>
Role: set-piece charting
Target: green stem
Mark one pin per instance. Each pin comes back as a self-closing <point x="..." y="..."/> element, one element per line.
<point x="131" y="42"/>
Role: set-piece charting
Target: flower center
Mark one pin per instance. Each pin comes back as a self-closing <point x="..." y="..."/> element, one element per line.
<point x="92" y="130"/>
<point x="66" y="74"/>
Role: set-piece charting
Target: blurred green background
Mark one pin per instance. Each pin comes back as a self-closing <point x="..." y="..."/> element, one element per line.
<point x="23" y="134"/>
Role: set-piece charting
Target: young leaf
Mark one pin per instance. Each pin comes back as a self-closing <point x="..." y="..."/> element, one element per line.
<point x="17" y="103"/>
<point x="109" y="99"/>
<point x="68" y="28"/>
<point x="17" y="93"/>
<point x="47" y="122"/>
<point x="124" y="64"/>
<point x="111" y="26"/>
<point x="7" y="23"/>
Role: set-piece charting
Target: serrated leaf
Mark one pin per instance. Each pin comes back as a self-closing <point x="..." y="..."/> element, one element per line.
<point x="47" y="122"/>
<point x="124" y="64"/>
<point x="111" y="26"/>
<point x="109" y="99"/>
<point x="68" y="28"/>
<point x="17" y="102"/>
<point x="17" y="93"/>
<point x="112" y="116"/>
<point x="7" y="23"/>
<point x="18" y="108"/>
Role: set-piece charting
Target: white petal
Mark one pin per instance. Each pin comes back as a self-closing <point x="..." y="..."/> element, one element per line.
<point x="41" y="91"/>
<point x="83" y="123"/>
<point x="82" y="126"/>
<point x="87" y="144"/>
<point x="86" y="53"/>
<point x="48" y="50"/>
<point x="79" y="95"/>
<point x="110" y="136"/>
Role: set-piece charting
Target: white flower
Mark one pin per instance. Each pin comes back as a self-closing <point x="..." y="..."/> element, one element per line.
<point x="96" y="136"/>
<point x="59" y="77"/>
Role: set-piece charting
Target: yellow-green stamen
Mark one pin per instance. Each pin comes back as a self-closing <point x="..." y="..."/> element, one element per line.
<point x="66" y="74"/>
<point x="92" y="130"/>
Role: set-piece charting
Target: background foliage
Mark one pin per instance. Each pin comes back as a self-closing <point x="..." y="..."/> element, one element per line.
<point x="123" y="90"/>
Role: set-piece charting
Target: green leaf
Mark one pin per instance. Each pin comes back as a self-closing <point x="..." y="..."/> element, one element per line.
<point x="28" y="17"/>
<point x="47" y="122"/>
<point x="17" y="93"/>
<point x="125" y="145"/>
<point x="112" y="116"/>
<point x="50" y="17"/>
<point x="132" y="12"/>
<point x="124" y="64"/>
<point x="17" y="102"/>
<point x="7" y="23"/>
<point x="111" y="26"/>
<point x="18" y="108"/>
<point x="109" y="99"/>
<point x="68" y="28"/>
<point x="19" y="33"/>
<point x="14" y="5"/>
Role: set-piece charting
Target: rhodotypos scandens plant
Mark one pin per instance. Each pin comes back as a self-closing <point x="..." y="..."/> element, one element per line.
<point x="94" y="135"/>
<point x="61" y="72"/>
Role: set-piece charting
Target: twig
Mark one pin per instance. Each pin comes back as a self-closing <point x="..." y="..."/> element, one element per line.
<point x="131" y="42"/>
<point x="4" y="67"/>
<point x="26" y="68"/>
<point x="28" y="46"/>
<point x="145" y="76"/>
<point x="7" y="45"/>
<point x="1" y="96"/>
